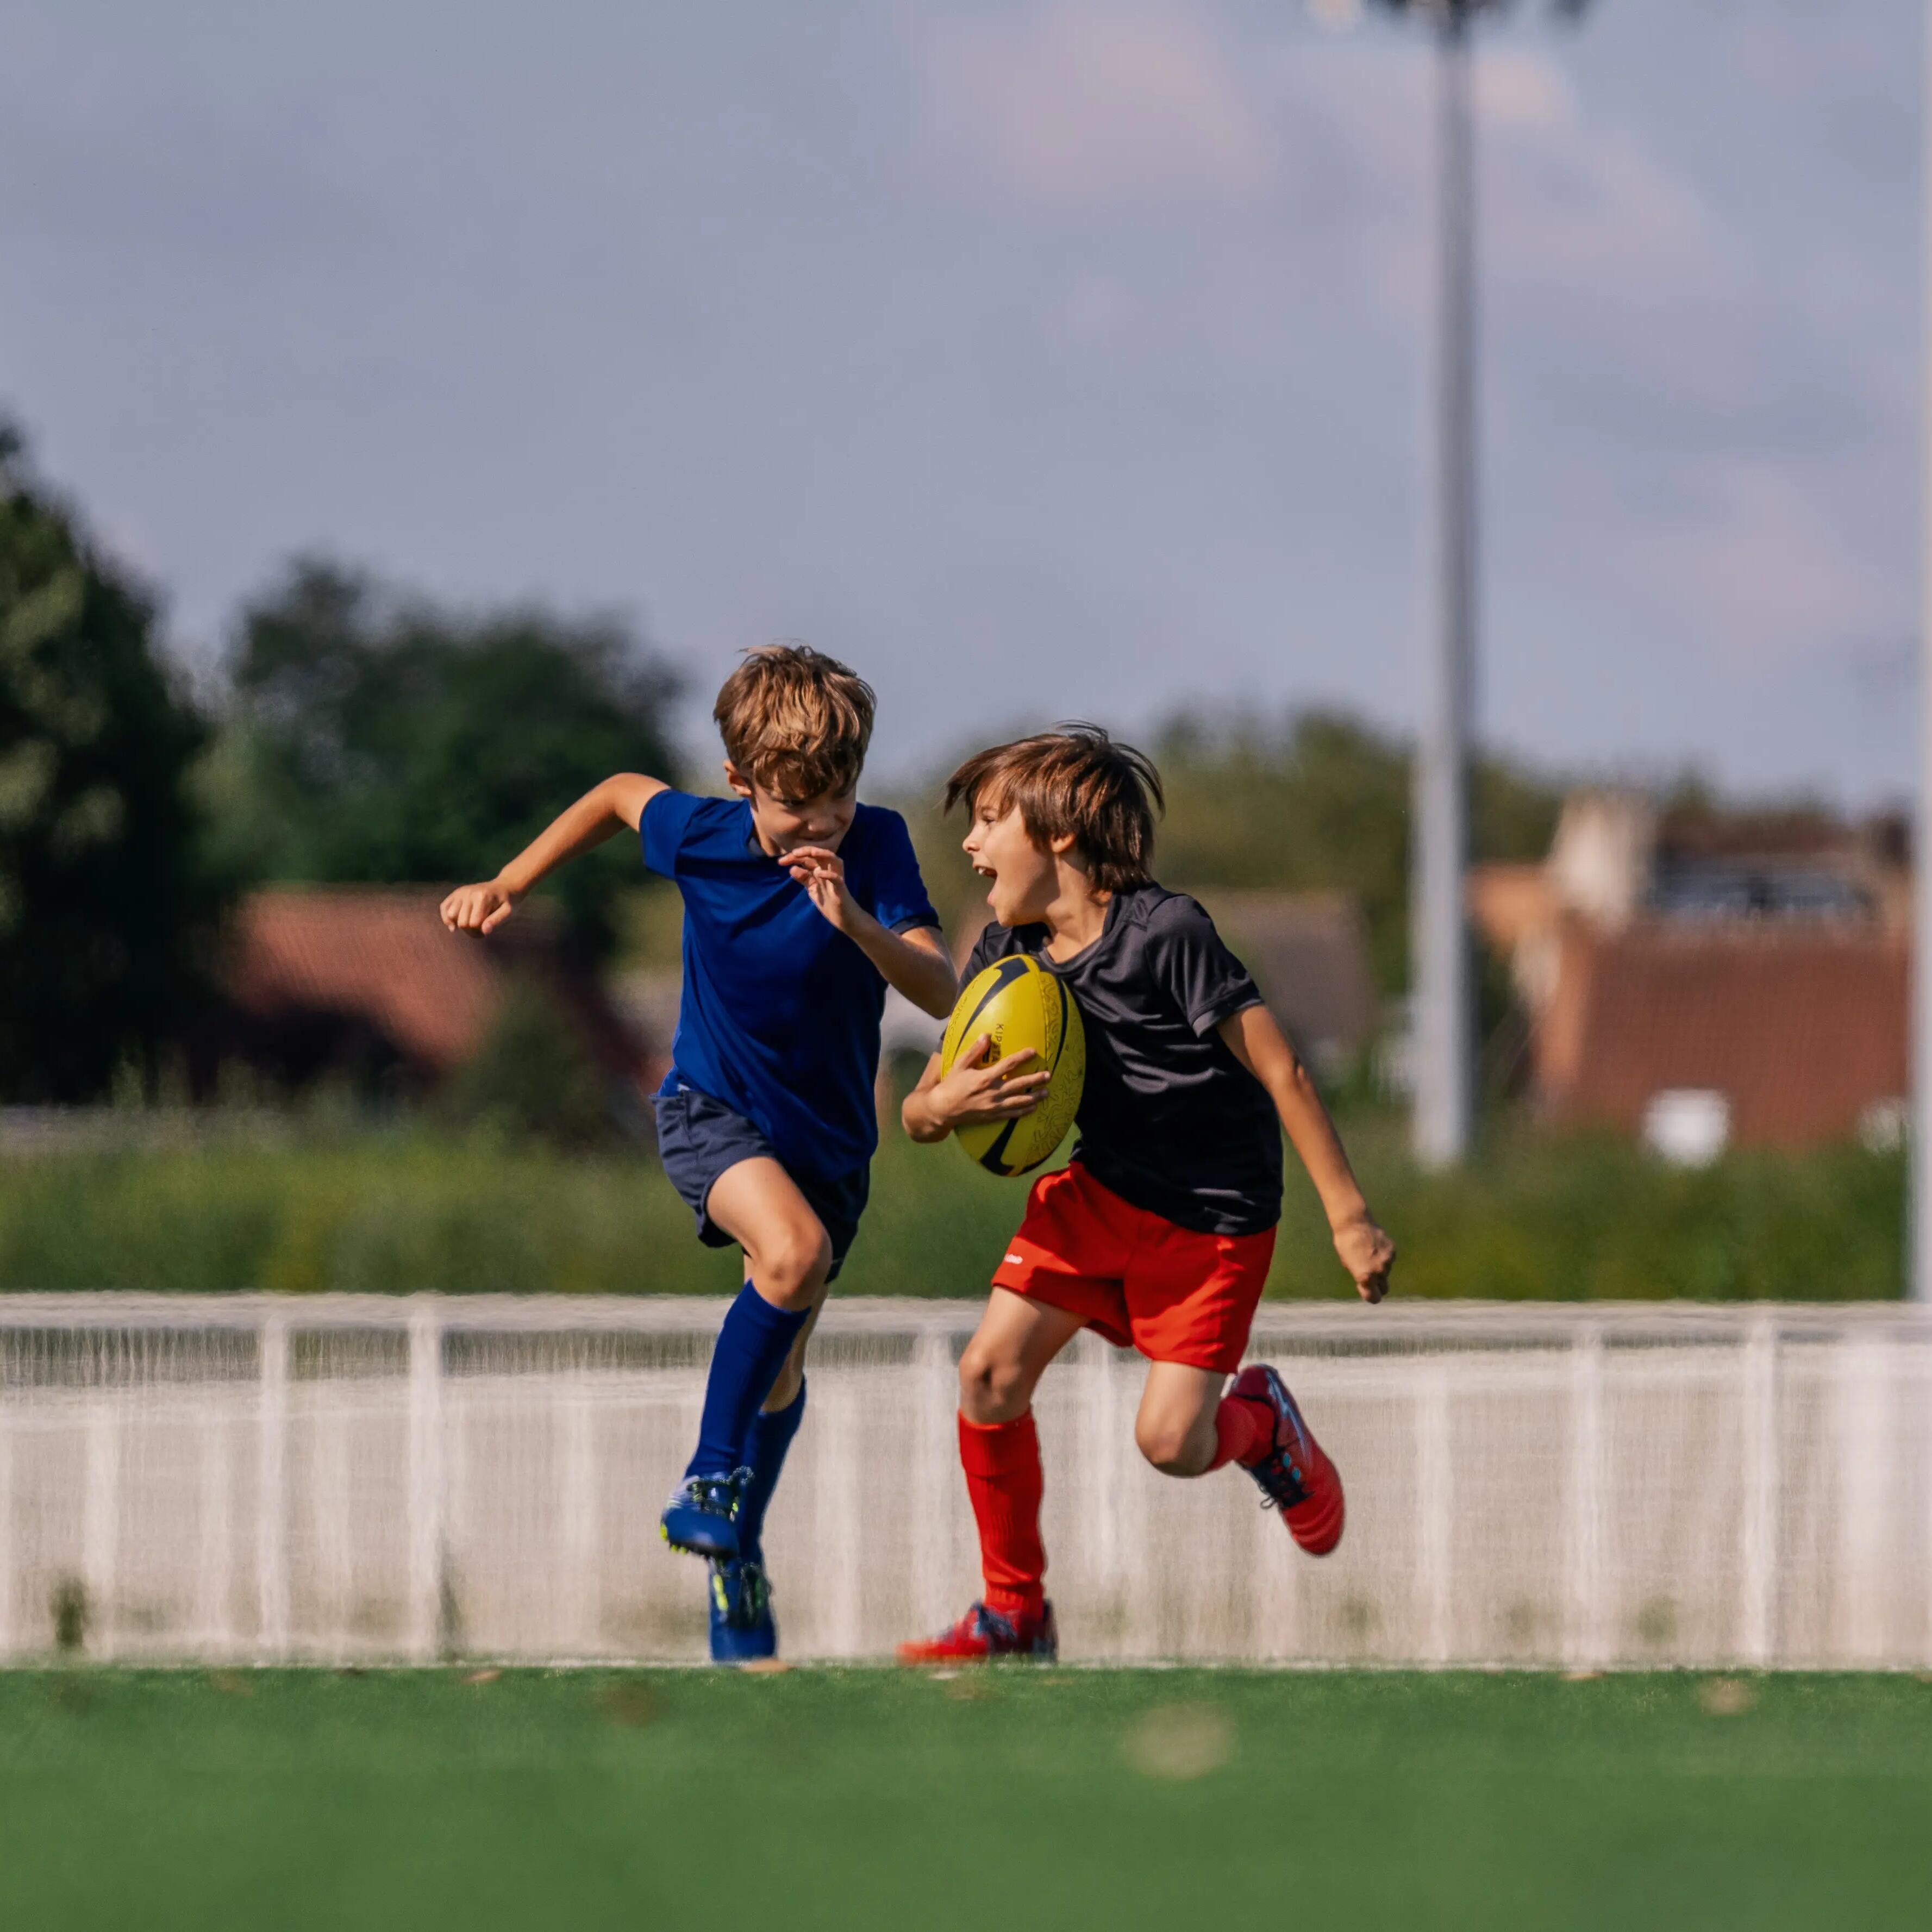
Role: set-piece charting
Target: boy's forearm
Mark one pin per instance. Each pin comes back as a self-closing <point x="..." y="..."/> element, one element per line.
<point x="926" y="978"/>
<point x="1261" y="1046"/>
<point x="1312" y="1134"/>
<point x="917" y="1114"/>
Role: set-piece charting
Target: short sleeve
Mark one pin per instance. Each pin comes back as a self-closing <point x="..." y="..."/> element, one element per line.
<point x="991" y="945"/>
<point x="667" y="819"/>
<point x="899" y="901"/>
<point x="1191" y="960"/>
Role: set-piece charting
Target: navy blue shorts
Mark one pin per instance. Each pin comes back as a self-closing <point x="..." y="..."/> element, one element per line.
<point x="698" y="1138"/>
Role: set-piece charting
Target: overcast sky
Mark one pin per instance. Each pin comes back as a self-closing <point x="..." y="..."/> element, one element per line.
<point x="1058" y="357"/>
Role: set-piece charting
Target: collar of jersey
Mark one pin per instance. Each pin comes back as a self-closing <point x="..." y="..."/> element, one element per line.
<point x="1108" y="927"/>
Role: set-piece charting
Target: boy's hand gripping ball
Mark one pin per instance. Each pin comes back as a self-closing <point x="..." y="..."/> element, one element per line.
<point x="1022" y="1008"/>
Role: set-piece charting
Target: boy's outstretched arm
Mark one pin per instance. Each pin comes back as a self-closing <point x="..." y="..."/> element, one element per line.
<point x="1261" y="1047"/>
<point x="602" y="811"/>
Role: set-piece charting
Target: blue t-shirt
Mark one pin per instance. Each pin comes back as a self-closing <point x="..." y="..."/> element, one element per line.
<point x="780" y="1014"/>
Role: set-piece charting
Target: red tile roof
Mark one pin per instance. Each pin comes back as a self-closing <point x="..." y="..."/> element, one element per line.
<point x="380" y="954"/>
<point x="1803" y="1028"/>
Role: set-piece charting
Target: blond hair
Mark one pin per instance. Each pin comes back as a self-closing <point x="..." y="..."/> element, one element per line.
<point x="1075" y="782"/>
<point x="796" y="721"/>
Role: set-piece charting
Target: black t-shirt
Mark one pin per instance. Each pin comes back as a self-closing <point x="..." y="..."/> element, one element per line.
<point x="1169" y="1119"/>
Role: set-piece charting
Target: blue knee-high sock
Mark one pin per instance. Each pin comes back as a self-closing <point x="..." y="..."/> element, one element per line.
<point x="765" y="1442"/>
<point x="751" y="1350"/>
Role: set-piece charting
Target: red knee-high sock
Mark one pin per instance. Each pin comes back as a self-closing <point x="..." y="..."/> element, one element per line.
<point x="1243" y="1431"/>
<point x="1001" y="1460"/>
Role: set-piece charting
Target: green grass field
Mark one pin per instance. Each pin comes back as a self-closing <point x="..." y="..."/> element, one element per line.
<point x="838" y="1798"/>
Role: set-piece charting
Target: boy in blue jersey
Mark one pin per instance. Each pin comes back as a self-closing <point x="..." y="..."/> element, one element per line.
<point x="801" y="906"/>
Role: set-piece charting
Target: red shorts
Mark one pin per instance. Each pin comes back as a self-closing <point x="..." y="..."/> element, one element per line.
<point x="1174" y="1294"/>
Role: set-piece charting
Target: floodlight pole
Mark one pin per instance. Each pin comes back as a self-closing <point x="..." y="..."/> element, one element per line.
<point x="1919" y="1214"/>
<point x="1443" y="1021"/>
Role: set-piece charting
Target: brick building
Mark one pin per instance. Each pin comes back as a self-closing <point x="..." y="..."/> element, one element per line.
<point x="364" y="983"/>
<point x="1761" y="964"/>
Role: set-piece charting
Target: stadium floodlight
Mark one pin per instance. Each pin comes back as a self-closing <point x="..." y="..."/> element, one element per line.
<point x="1443" y="1060"/>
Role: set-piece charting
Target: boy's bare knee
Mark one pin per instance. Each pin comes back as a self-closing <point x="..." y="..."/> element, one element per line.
<point x="977" y="1370"/>
<point x="992" y="1385"/>
<point x="1170" y="1448"/>
<point x="791" y="1271"/>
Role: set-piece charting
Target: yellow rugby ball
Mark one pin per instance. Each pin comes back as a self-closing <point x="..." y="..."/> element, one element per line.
<point x="1021" y="1007"/>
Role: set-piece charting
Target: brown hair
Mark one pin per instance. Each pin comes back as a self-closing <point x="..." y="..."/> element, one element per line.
<point x="795" y="721"/>
<point x="1073" y="779"/>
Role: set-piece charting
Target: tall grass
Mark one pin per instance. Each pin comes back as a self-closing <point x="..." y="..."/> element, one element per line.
<point x="1537" y="1216"/>
<point x="1533" y="1215"/>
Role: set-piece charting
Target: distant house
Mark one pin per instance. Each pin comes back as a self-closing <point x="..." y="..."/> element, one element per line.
<point x="365" y="983"/>
<point x="1803" y="1032"/>
<point x="1309" y="953"/>
<point x="1758" y="967"/>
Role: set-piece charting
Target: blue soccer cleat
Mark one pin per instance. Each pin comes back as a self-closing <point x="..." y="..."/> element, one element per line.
<point x="702" y="1515"/>
<point x="741" y="1629"/>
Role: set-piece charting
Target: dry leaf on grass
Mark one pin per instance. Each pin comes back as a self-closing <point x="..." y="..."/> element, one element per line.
<point x="633" y="1703"/>
<point x="1180" y="1741"/>
<point x="1725" y="1696"/>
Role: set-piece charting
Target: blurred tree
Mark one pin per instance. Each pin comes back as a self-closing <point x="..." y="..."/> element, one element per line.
<point x="1320" y="800"/>
<point x="101" y="900"/>
<point x="381" y="738"/>
<point x="1324" y="802"/>
<point x="532" y="1077"/>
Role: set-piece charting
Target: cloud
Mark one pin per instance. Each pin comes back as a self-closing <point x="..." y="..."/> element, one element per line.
<point x="1077" y="107"/>
<point x="1658" y="407"/>
<point x="1090" y="332"/>
<point x="1679" y="405"/>
<point x="1738" y="554"/>
<point x="1515" y="88"/>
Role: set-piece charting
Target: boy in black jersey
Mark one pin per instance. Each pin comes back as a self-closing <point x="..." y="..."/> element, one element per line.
<point x="1159" y="1232"/>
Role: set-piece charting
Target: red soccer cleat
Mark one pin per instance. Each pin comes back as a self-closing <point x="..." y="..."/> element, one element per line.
<point x="984" y="1636"/>
<point x="1296" y="1475"/>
